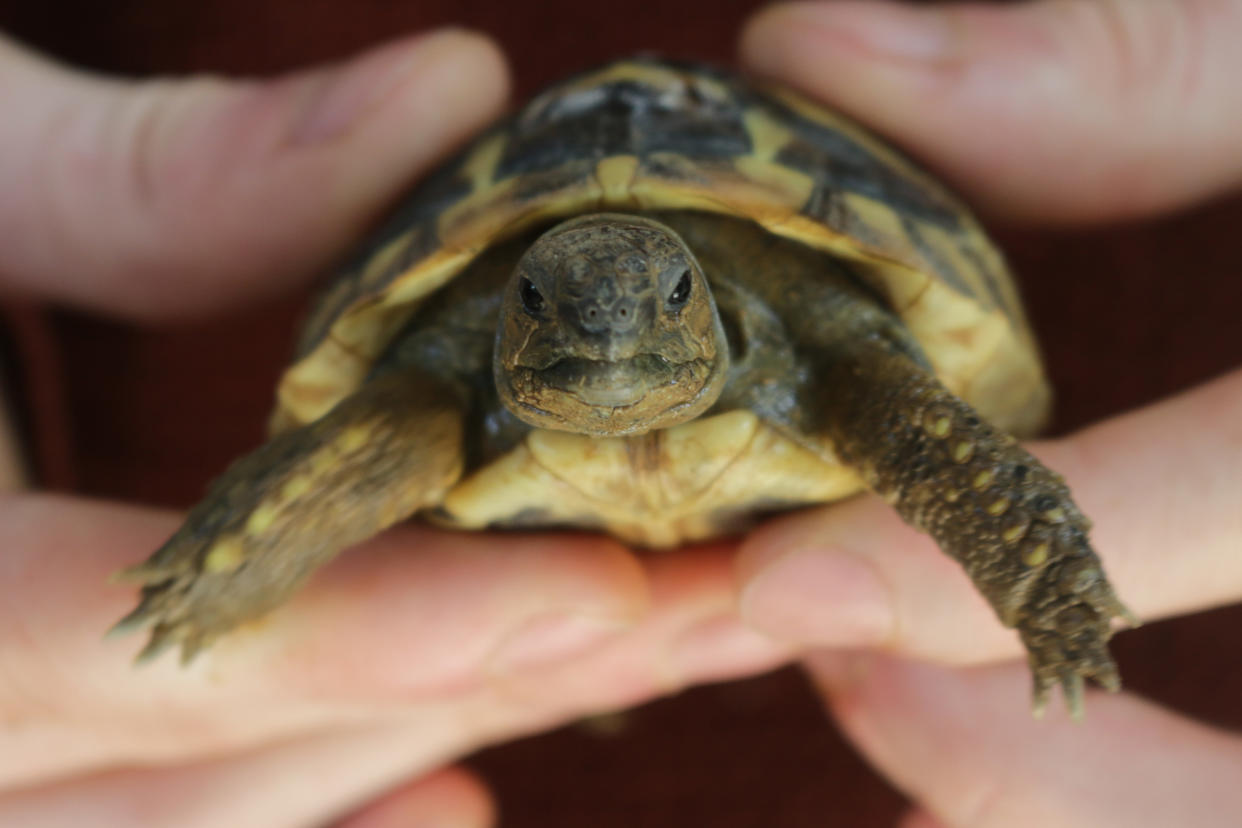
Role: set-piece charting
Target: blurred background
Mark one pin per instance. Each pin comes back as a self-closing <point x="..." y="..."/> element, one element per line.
<point x="1127" y="314"/>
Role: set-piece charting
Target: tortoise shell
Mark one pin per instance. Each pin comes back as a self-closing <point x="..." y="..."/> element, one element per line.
<point x="647" y="134"/>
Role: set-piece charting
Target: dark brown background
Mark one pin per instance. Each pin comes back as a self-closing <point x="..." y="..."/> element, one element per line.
<point x="1127" y="315"/>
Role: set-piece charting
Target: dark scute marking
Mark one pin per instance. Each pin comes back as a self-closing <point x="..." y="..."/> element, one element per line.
<point x="538" y="185"/>
<point x="989" y="278"/>
<point x="828" y="207"/>
<point x="423" y="240"/>
<point x="838" y="162"/>
<point x="436" y="193"/>
<point x="416" y="215"/>
<point x="849" y="168"/>
<point x="942" y="268"/>
<point x="546" y="137"/>
<point x="329" y="305"/>
<point x="622" y="118"/>
<point x="696" y="138"/>
<point x="679" y="168"/>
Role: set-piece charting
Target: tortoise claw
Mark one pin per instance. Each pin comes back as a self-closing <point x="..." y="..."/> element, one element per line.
<point x="141" y="573"/>
<point x="1072" y="690"/>
<point x="156" y="646"/>
<point x="134" y="621"/>
<point x="1123" y="612"/>
<point x="1108" y="677"/>
<point x="1069" y="647"/>
<point x="171" y="622"/>
<point x="1039" y="698"/>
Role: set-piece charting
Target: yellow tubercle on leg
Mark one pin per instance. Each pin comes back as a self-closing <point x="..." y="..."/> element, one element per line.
<point x="261" y="519"/>
<point x="353" y="438"/>
<point x="296" y="487"/>
<point x="1036" y="555"/>
<point x="963" y="451"/>
<point x="225" y="556"/>
<point x="323" y="461"/>
<point x="1014" y="532"/>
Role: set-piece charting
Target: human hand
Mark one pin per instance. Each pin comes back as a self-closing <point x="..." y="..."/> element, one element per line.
<point x="169" y="198"/>
<point x="1065" y="111"/>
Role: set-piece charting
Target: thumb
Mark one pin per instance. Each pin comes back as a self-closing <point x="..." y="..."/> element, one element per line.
<point x="1064" y="110"/>
<point x="962" y="745"/>
<point x="172" y="196"/>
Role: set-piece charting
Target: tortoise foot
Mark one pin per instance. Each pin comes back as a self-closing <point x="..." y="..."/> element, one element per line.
<point x="1005" y="517"/>
<point x="287" y="508"/>
<point x="1015" y="528"/>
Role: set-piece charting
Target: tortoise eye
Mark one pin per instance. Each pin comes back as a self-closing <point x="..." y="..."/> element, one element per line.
<point x="681" y="293"/>
<point x="532" y="299"/>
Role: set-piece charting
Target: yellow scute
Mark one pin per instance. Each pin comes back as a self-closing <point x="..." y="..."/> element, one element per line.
<point x="686" y="483"/>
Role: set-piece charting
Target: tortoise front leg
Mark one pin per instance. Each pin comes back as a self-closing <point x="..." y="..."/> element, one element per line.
<point x="989" y="504"/>
<point x="275" y="515"/>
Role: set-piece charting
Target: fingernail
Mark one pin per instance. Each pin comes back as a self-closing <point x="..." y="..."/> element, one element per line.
<point x="723" y="647"/>
<point x="892" y="30"/>
<point x="553" y="637"/>
<point x="345" y="94"/>
<point x="819" y="595"/>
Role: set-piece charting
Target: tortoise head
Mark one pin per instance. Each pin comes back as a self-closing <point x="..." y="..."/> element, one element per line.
<point x="608" y="327"/>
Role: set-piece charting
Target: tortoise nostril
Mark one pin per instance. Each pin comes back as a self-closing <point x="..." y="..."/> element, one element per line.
<point x="625" y="312"/>
<point x="592" y="313"/>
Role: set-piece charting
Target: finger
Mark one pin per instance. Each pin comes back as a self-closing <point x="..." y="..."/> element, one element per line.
<point x="692" y="635"/>
<point x="1055" y="110"/>
<point x="956" y="743"/>
<point x="453" y="798"/>
<point x="305" y="781"/>
<point x="1161" y="485"/>
<point x="161" y="197"/>
<point x="416" y="614"/>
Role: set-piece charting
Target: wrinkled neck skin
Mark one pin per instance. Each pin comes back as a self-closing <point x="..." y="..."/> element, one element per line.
<point x="608" y="328"/>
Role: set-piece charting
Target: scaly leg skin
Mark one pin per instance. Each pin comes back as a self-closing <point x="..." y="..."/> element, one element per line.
<point x="988" y="503"/>
<point x="280" y="512"/>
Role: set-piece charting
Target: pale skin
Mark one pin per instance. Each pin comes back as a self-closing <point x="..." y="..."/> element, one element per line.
<point x="1096" y="110"/>
<point x="316" y="689"/>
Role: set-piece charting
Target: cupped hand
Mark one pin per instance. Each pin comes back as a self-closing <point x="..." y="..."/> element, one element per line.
<point x="404" y="655"/>
<point x="1065" y="110"/>
<point x="167" y="198"/>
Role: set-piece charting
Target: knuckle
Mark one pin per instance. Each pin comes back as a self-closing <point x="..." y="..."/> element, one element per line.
<point x="1136" y="49"/>
<point x="150" y="123"/>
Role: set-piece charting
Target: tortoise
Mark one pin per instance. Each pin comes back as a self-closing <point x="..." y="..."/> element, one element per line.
<point x="661" y="301"/>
